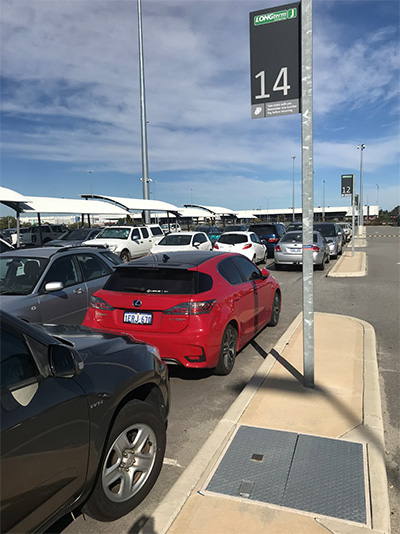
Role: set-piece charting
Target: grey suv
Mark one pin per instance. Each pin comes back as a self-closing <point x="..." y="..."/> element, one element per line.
<point x="51" y="284"/>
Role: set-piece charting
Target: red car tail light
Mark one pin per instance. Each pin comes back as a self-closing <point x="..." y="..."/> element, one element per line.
<point x="191" y="308"/>
<point x="273" y="239"/>
<point x="278" y="248"/>
<point x="99" y="304"/>
<point x="247" y="246"/>
<point x="216" y="246"/>
<point x="315" y="248"/>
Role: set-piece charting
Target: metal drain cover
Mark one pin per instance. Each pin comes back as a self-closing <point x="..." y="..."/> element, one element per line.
<point x="319" y="475"/>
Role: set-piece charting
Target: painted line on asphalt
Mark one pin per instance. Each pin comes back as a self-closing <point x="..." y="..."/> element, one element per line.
<point x="170" y="461"/>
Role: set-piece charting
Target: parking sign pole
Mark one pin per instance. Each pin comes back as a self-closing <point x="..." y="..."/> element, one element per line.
<point x="353" y="218"/>
<point x="308" y="197"/>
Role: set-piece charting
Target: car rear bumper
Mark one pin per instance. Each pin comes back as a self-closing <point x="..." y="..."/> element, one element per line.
<point x="297" y="259"/>
<point x="197" y="346"/>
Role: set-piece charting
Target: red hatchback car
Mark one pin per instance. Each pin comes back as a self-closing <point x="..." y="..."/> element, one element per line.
<point x="198" y="308"/>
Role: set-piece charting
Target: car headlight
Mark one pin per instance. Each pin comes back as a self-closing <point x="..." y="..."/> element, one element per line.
<point x="113" y="248"/>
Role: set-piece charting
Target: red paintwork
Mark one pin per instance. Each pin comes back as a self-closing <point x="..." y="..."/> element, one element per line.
<point x="180" y="336"/>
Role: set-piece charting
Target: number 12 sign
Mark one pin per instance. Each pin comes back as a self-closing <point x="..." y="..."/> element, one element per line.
<point x="275" y="61"/>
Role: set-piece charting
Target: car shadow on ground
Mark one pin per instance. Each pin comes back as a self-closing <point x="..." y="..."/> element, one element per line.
<point x="183" y="373"/>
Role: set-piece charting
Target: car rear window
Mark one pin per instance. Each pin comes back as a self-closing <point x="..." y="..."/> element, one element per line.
<point x="296" y="237"/>
<point x="175" y="240"/>
<point x="264" y="229"/>
<point x="156" y="230"/>
<point x="233" y="239"/>
<point x="159" y="281"/>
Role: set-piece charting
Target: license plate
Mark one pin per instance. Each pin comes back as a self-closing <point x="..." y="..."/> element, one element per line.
<point x="138" y="318"/>
<point x="295" y="250"/>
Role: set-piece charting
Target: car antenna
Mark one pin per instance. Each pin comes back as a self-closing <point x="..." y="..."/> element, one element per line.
<point x="165" y="258"/>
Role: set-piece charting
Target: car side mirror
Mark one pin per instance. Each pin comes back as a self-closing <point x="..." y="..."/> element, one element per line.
<point x="53" y="286"/>
<point x="265" y="273"/>
<point x="65" y="362"/>
<point x="196" y="244"/>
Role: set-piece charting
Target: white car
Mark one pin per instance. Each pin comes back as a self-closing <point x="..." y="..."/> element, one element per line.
<point x="246" y="243"/>
<point x="128" y="242"/>
<point x="173" y="227"/>
<point x="183" y="241"/>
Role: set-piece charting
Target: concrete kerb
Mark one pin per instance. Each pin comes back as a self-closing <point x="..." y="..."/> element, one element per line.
<point x="356" y="266"/>
<point x="167" y="511"/>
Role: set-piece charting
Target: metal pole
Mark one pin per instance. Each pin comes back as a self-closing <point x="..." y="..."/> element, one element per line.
<point x="293" y="215"/>
<point x="323" y="200"/>
<point x="360" y="202"/>
<point x="377" y="196"/>
<point x="308" y="201"/>
<point x="145" y="166"/>
<point x="353" y="216"/>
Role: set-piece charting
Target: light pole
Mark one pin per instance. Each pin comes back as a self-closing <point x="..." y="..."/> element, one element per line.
<point x="361" y="204"/>
<point x="191" y="196"/>
<point x="323" y="200"/>
<point x="267" y="209"/>
<point x="377" y="196"/>
<point x="293" y="216"/>
<point x="145" y="165"/>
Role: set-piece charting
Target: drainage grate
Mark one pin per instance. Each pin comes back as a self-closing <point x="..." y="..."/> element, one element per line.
<point x="319" y="475"/>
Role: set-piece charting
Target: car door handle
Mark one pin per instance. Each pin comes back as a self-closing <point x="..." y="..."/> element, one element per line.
<point x="79" y="291"/>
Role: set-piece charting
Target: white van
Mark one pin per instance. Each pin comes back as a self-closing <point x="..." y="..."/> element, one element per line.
<point x="128" y="242"/>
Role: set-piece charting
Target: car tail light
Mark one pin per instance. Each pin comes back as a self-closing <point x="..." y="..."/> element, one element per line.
<point x="99" y="304"/>
<point x="216" y="246"/>
<point x="315" y="248"/>
<point x="191" y="308"/>
<point x="273" y="239"/>
<point x="278" y="248"/>
<point x="247" y="246"/>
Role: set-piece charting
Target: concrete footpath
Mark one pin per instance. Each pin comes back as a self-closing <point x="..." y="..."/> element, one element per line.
<point x="325" y="473"/>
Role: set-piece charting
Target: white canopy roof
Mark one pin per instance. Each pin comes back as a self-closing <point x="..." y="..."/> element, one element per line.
<point x="72" y="205"/>
<point x="137" y="204"/>
<point x="8" y="195"/>
<point x="215" y="210"/>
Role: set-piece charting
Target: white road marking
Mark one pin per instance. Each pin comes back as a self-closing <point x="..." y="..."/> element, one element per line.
<point x="170" y="461"/>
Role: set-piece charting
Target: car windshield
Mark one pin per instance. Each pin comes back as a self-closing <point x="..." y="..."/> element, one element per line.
<point x="114" y="233"/>
<point x="232" y="239"/>
<point x="296" y="237"/>
<point x="327" y="230"/>
<point x="175" y="240"/>
<point x="20" y="274"/>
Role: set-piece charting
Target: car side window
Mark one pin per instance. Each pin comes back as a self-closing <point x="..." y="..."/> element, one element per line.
<point x="16" y="362"/>
<point x="92" y="266"/>
<point x="145" y="233"/>
<point x="228" y="270"/>
<point x="254" y="238"/>
<point x="199" y="238"/>
<point x="64" y="270"/>
<point x="135" y="234"/>
<point x="247" y="268"/>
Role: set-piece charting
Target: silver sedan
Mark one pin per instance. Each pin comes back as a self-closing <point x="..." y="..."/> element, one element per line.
<point x="289" y="250"/>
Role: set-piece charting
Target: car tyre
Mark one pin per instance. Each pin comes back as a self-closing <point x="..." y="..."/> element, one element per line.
<point x="227" y="352"/>
<point x="131" y="462"/>
<point x="276" y="309"/>
<point x="125" y="256"/>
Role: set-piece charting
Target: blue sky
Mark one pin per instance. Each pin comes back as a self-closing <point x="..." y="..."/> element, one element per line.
<point x="70" y="102"/>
